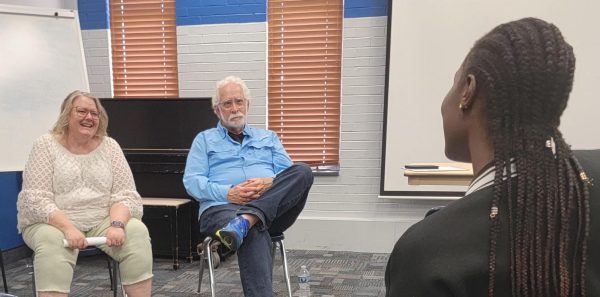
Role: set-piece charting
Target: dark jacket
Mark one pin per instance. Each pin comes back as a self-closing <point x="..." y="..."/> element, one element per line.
<point x="446" y="254"/>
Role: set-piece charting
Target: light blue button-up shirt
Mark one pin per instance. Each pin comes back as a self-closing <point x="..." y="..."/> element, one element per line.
<point x="216" y="162"/>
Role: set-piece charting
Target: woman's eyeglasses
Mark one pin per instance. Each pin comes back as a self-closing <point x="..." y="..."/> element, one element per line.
<point x="83" y="112"/>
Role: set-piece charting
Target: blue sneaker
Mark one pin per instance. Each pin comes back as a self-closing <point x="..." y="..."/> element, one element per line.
<point x="233" y="234"/>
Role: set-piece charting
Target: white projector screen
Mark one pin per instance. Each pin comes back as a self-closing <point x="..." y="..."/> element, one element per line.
<point x="427" y="41"/>
<point x="41" y="61"/>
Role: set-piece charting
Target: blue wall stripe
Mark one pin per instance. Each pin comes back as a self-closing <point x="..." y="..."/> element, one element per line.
<point x="10" y="183"/>
<point x="93" y="14"/>
<point x="194" y="12"/>
<point x="365" y="8"/>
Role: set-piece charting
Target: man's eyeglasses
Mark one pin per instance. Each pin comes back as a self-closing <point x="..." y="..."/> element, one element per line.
<point x="228" y="104"/>
<point x="83" y="112"/>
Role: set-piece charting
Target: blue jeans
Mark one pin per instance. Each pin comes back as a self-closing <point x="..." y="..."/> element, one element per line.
<point x="277" y="209"/>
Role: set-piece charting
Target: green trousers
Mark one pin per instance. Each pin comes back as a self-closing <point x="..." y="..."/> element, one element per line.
<point x="54" y="263"/>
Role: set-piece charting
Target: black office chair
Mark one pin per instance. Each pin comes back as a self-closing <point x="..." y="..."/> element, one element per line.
<point x="208" y="254"/>
<point x="3" y="272"/>
<point x="113" y="269"/>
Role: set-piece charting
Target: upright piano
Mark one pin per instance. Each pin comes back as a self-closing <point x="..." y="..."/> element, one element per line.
<point x="156" y="135"/>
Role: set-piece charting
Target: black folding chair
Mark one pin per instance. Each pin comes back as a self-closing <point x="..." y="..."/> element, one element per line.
<point x="3" y="272"/>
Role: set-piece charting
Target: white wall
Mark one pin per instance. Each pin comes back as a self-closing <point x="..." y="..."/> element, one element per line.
<point x="208" y="53"/>
<point x="97" y="57"/>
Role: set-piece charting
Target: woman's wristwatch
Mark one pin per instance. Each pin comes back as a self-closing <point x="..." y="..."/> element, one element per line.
<point x="117" y="224"/>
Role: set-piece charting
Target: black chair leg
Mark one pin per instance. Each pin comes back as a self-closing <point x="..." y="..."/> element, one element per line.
<point x="33" y="275"/>
<point x="110" y="271"/>
<point x="3" y="272"/>
<point x="116" y="278"/>
<point x="201" y="270"/>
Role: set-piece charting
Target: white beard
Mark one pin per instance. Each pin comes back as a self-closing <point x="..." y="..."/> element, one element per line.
<point x="234" y="122"/>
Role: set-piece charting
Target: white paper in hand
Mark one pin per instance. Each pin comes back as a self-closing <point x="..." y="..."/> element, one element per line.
<point x="90" y="240"/>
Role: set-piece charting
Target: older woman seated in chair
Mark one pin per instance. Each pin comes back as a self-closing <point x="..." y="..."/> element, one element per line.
<point x="77" y="184"/>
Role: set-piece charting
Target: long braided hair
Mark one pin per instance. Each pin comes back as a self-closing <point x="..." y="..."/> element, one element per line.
<point x="524" y="69"/>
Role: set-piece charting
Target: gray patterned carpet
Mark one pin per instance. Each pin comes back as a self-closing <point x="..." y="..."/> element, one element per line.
<point x="332" y="273"/>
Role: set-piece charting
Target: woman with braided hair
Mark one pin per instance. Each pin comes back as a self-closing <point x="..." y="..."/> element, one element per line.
<point x="529" y="224"/>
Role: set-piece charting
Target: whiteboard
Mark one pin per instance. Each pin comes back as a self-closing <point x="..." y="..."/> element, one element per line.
<point x="428" y="40"/>
<point x="41" y="61"/>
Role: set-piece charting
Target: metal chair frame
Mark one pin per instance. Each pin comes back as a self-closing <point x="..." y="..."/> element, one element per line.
<point x="205" y="251"/>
